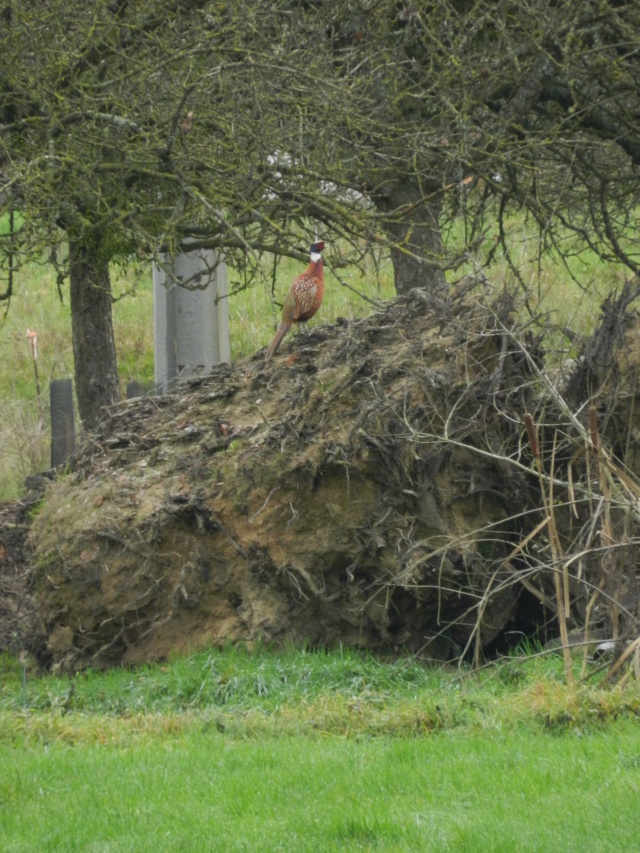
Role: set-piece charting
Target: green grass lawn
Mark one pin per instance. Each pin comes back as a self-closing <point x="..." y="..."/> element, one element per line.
<point x="300" y="750"/>
<point x="203" y="791"/>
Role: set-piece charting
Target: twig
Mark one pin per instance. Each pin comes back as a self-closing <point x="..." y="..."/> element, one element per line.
<point x="33" y="339"/>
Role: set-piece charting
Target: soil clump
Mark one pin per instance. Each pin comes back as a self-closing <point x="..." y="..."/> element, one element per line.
<point x="371" y="486"/>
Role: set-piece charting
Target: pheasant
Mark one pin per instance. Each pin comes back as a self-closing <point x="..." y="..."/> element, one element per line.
<point x="303" y="299"/>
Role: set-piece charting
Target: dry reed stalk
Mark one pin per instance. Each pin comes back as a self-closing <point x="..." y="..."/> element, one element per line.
<point x="561" y="582"/>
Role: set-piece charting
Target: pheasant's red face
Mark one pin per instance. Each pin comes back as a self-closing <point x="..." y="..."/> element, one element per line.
<point x="317" y="247"/>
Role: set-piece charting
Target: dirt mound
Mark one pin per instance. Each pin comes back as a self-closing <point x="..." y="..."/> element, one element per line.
<point x="369" y="487"/>
<point x="20" y="627"/>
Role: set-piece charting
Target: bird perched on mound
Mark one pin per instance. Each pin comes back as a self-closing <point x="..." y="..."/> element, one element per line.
<point x="303" y="299"/>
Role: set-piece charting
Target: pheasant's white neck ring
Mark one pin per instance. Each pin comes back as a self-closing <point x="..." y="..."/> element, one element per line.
<point x="315" y="256"/>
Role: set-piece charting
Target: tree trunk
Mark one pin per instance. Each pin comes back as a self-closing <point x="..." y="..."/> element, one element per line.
<point x="94" y="350"/>
<point x="413" y="226"/>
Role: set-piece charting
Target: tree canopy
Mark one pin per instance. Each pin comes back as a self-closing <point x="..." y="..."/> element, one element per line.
<point x="128" y="125"/>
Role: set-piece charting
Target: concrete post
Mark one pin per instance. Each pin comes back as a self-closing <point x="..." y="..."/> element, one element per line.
<point x="191" y="316"/>
<point x="63" y="431"/>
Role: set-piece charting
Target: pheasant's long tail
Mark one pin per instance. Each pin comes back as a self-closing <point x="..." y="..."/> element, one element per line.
<point x="283" y="328"/>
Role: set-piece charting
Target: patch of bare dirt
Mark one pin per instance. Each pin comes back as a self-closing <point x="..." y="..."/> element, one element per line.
<point x="20" y="626"/>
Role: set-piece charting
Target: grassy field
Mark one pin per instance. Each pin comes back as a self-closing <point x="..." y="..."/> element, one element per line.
<point x="203" y="792"/>
<point x="227" y="750"/>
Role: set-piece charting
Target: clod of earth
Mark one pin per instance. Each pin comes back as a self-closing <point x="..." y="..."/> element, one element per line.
<point x="20" y="627"/>
<point x="370" y="493"/>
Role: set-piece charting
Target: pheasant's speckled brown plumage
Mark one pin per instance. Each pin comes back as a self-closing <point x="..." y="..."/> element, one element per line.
<point x="303" y="299"/>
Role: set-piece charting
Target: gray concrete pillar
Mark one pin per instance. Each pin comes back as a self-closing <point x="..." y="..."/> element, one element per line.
<point x="63" y="431"/>
<point x="191" y="316"/>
